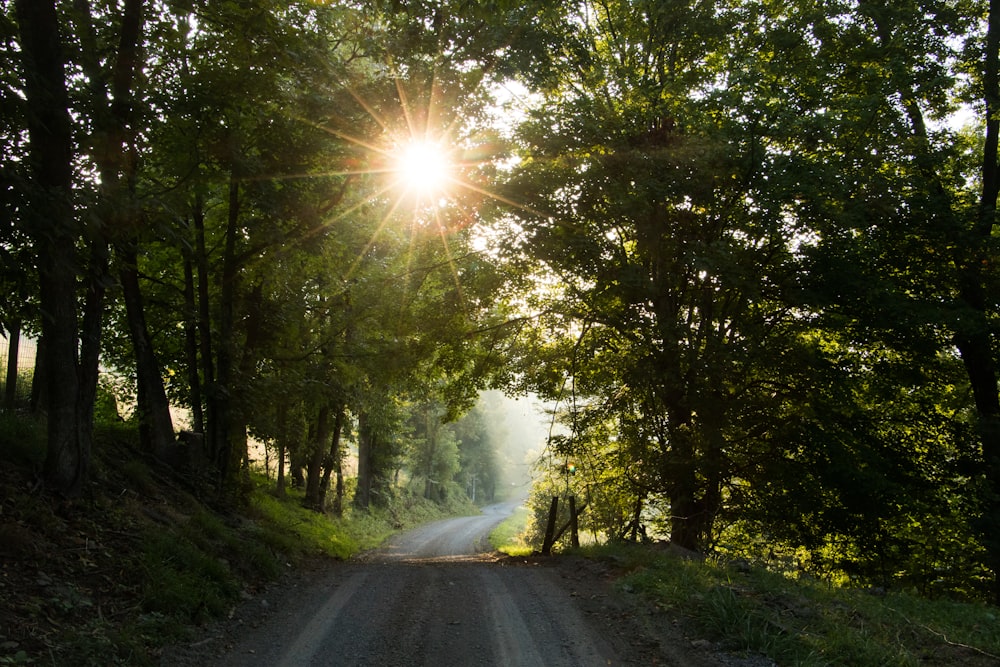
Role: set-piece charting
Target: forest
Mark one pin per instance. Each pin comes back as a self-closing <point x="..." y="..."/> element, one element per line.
<point x="745" y="249"/>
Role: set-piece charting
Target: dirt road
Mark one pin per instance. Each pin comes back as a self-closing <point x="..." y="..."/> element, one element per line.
<point x="433" y="597"/>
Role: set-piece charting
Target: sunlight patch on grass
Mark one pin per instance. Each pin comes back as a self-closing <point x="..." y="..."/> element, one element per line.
<point x="302" y="531"/>
<point x="802" y="622"/>
<point x="508" y="537"/>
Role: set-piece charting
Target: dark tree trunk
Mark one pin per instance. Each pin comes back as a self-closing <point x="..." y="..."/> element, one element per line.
<point x="973" y="335"/>
<point x="92" y="325"/>
<point x="684" y="508"/>
<point x="432" y="487"/>
<point x="222" y="396"/>
<point x="332" y="459"/>
<point x="253" y="325"/>
<point x="338" y="501"/>
<point x="39" y="392"/>
<point x="191" y="344"/>
<point x="111" y="152"/>
<point x="156" y="429"/>
<point x="205" y="327"/>
<point x="680" y="469"/>
<point x="55" y="233"/>
<point x="279" y="485"/>
<point x="13" y="350"/>
<point x="366" y="449"/>
<point x="974" y="339"/>
<point x="297" y="466"/>
<point x="321" y="436"/>
<point x="634" y="527"/>
<point x="282" y="421"/>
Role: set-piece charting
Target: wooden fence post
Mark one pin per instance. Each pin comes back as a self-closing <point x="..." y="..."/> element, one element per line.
<point x="574" y="524"/>
<point x="550" y="528"/>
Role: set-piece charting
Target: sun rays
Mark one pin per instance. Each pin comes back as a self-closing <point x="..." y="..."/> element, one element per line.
<point x="413" y="168"/>
<point x="406" y="168"/>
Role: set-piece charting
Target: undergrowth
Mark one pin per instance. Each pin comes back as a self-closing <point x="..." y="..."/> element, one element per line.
<point x="809" y="623"/>
<point x="144" y="558"/>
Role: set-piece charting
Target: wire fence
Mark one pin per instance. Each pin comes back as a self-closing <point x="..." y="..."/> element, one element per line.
<point x="21" y="393"/>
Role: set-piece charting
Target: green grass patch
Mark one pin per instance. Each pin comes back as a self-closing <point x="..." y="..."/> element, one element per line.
<point x="509" y="536"/>
<point x="296" y="531"/>
<point x="808" y="623"/>
<point x="184" y="579"/>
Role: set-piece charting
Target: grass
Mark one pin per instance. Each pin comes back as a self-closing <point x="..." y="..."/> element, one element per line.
<point x="508" y="537"/>
<point x="291" y="529"/>
<point x="140" y="561"/>
<point x="807" y="623"/>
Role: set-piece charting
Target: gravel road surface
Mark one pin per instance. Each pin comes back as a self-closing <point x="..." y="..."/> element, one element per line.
<point x="435" y="597"/>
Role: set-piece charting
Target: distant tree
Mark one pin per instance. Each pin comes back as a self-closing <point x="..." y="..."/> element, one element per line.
<point x="479" y="470"/>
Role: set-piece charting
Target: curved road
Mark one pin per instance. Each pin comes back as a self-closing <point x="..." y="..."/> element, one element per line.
<point x="429" y="597"/>
<point x="450" y="540"/>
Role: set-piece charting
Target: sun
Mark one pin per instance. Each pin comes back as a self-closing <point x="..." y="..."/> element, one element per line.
<point x="423" y="168"/>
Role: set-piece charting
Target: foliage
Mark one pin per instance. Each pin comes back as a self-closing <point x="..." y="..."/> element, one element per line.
<point x="156" y="559"/>
<point x="245" y="227"/>
<point x="804" y="621"/>
<point x="479" y="467"/>
<point x="740" y="245"/>
<point x="751" y="233"/>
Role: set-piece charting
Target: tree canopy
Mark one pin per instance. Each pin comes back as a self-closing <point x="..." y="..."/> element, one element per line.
<point x="747" y="249"/>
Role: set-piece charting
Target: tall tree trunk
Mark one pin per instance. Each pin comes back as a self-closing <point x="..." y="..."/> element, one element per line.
<point x="975" y="340"/>
<point x="241" y="373"/>
<point x="282" y="422"/>
<point x="973" y="334"/>
<point x="156" y="429"/>
<point x="111" y="152"/>
<point x="682" y="483"/>
<point x="191" y="343"/>
<point x="366" y="450"/>
<point x="280" y="484"/>
<point x="91" y="327"/>
<point x="333" y="457"/>
<point x="222" y="396"/>
<point x="54" y="232"/>
<point x="13" y="350"/>
<point x="321" y="436"/>
<point x="205" y="326"/>
<point x="39" y="392"/>
<point x="338" y="500"/>
<point x="431" y="486"/>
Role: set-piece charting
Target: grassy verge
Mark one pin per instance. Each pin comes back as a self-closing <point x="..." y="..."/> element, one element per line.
<point x="141" y="561"/>
<point x="508" y="537"/>
<point x="798" y="622"/>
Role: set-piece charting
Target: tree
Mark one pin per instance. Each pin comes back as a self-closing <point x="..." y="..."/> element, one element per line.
<point x="477" y="450"/>
<point x="112" y="103"/>
<point x="673" y="265"/>
<point x="54" y="230"/>
<point x="900" y="242"/>
<point x="748" y="218"/>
